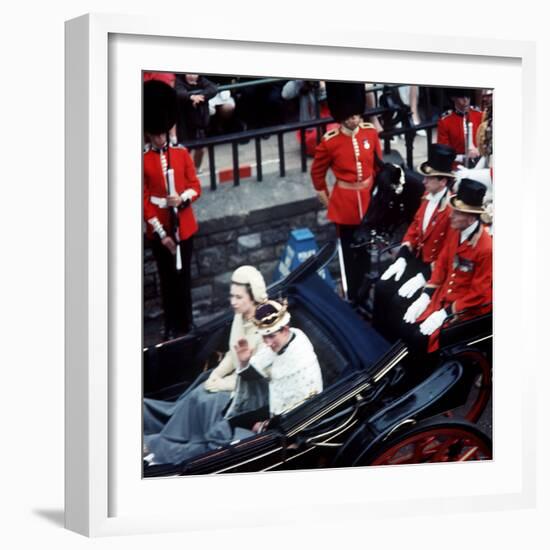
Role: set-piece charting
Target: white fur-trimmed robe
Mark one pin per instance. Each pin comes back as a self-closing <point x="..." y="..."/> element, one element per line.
<point x="294" y="373"/>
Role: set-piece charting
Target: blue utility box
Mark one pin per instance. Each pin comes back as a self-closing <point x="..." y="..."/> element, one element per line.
<point x="300" y="246"/>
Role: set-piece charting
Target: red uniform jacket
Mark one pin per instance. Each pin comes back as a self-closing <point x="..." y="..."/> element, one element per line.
<point x="350" y="156"/>
<point x="427" y="245"/>
<point x="463" y="277"/>
<point x="450" y="128"/>
<point x="155" y="188"/>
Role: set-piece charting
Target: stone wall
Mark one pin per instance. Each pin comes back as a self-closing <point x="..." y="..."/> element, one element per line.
<point x="256" y="236"/>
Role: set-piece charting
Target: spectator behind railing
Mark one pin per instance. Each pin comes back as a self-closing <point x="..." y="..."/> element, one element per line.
<point x="409" y="95"/>
<point x="309" y="94"/>
<point x="312" y="105"/>
<point x="260" y="106"/>
<point x="223" y="116"/>
<point x="194" y="92"/>
<point x="371" y="101"/>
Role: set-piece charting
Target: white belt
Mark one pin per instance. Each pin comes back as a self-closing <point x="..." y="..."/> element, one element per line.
<point x="161" y="202"/>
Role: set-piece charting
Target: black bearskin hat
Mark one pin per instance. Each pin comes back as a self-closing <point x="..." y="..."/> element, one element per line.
<point x="345" y="99"/>
<point x="159" y="107"/>
<point x="459" y="92"/>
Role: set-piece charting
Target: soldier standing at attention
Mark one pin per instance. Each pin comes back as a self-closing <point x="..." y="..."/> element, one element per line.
<point x="170" y="185"/>
<point x="350" y="152"/>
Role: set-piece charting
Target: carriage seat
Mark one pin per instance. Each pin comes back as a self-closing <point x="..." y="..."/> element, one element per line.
<point x="330" y="359"/>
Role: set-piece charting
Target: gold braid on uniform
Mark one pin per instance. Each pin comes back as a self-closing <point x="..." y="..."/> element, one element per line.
<point x="485" y="133"/>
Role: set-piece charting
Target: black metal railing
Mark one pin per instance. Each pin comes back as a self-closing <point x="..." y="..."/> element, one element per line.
<point x="264" y="81"/>
<point x="402" y="115"/>
<point x="409" y="131"/>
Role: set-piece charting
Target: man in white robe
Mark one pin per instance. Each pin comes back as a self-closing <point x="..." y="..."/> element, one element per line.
<point x="287" y="360"/>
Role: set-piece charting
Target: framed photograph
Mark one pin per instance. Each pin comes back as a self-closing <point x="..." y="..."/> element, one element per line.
<point x="109" y="487"/>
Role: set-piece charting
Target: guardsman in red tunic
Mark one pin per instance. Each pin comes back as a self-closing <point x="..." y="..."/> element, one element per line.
<point x="349" y="152"/>
<point x="170" y="185"/>
<point x="462" y="278"/>
<point x="458" y="127"/>
<point x="421" y="245"/>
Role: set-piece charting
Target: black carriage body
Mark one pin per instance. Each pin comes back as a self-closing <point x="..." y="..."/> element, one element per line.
<point x="373" y="389"/>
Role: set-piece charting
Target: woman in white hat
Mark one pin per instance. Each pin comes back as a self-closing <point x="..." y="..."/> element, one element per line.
<point x="175" y="430"/>
<point x="246" y="292"/>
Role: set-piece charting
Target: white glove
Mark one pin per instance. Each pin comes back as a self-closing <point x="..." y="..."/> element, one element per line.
<point x="188" y="194"/>
<point x="408" y="288"/>
<point x="211" y="381"/>
<point x="397" y="269"/>
<point x="417" y="308"/>
<point x="433" y="322"/>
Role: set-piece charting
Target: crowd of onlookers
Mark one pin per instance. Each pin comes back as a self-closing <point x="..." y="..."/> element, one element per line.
<point x="206" y="109"/>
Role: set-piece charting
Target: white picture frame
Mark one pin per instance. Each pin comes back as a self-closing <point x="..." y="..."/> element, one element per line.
<point x="104" y="491"/>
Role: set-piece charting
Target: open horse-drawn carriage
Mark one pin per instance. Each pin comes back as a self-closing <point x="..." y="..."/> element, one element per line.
<point x="381" y="403"/>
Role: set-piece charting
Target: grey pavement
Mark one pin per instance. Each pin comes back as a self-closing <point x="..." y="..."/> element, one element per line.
<point x="230" y="200"/>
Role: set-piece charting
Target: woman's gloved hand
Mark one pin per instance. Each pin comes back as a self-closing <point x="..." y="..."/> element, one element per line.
<point x="216" y="384"/>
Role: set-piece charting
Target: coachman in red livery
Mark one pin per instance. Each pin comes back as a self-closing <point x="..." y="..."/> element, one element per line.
<point x="462" y="279"/>
<point x="423" y="241"/>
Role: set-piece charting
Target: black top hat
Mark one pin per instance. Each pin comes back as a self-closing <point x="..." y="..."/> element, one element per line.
<point x="440" y="161"/>
<point x="345" y="99"/>
<point x="469" y="197"/>
<point x="159" y="107"/>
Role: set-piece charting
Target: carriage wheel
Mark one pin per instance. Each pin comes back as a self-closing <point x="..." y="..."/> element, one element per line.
<point x="482" y="386"/>
<point x="430" y="441"/>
